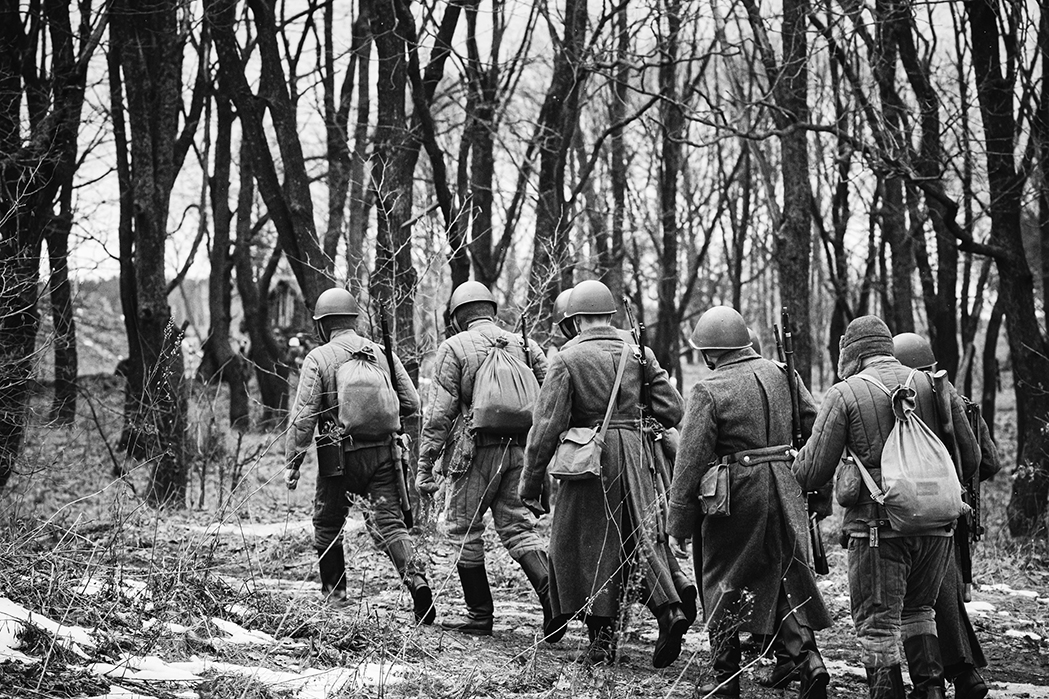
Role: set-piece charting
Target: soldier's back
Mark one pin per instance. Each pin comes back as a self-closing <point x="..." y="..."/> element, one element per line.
<point x="751" y="403"/>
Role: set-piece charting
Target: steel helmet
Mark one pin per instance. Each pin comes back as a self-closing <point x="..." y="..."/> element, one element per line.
<point x="470" y="292"/>
<point x="335" y="302"/>
<point x="755" y="341"/>
<point x="720" y="328"/>
<point x="566" y="324"/>
<point x="590" y="298"/>
<point x="913" y="350"/>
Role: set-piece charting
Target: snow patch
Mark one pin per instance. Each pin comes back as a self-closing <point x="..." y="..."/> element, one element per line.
<point x="14" y="617"/>
<point x="260" y="530"/>
<point x="979" y="607"/>
<point x="128" y="588"/>
<point x="1002" y="587"/>
<point x="1015" y="633"/>
<point x="240" y="635"/>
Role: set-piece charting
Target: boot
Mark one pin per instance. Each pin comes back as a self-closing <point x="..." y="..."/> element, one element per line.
<point x="797" y="658"/>
<point x="672" y="627"/>
<point x="402" y="553"/>
<point x="689" y="594"/>
<point x="536" y="568"/>
<point x="725" y="682"/>
<point x="885" y="682"/>
<point x="602" y="648"/>
<point x="479" y="606"/>
<point x="969" y="684"/>
<point x="332" y="563"/>
<point x="923" y="660"/>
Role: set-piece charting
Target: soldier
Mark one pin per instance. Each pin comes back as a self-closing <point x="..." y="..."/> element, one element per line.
<point x="492" y="479"/>
<point x="959" y="647"/>
<point x="740" y="416"/>
<point x="348" y="463"/>
<point x="564" y="324"/>
<point x="893" y="579"/>
<point x="600" y="522"/>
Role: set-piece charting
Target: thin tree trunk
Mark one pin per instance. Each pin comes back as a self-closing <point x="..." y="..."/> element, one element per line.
<point x="612" y="264"/>
<point x="63" y="406"/>
<point x="358" y="195"/>
<point x="990" y="365"/>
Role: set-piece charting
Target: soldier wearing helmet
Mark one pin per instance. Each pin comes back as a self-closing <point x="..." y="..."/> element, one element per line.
<point x="565" y="324"/>
<point x="490" y="483"/>
<point x="960" y="649"/>
<point x="599" y="522"/>
<point x="739" y="420"/>
<point x="348" y="463"/>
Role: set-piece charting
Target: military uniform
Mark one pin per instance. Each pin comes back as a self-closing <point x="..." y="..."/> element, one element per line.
<point x="492" y="479"/>
<point x="366" y="467"/>
<point x="599" y="522"/>
<point x="754" y="569"/>
<point x="894" y="583"/>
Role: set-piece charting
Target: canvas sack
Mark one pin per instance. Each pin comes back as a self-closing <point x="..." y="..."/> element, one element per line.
<point x="505" y="391"/>
<point x="920" y="489"/>
<point x="368" y="405"/>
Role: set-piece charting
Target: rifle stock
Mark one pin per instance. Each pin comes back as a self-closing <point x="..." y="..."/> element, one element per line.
<point x="819" y="554"/>
<point x="400" y="464"/>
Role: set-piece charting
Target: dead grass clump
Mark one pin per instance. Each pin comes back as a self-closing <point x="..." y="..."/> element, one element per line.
<point x="19" y="681"/>
<point x="239" y="687"/>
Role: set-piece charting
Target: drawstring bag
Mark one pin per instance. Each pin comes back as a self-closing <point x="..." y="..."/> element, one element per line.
<point x="920" y="488"/>
<point x="368" y="405"/>
<point x="505" y="392"/>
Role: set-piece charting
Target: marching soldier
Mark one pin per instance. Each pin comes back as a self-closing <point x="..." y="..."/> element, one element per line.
<point x="739" y="418"/>
<point x="959" y="647"/>
<point x="349" y="463"/>
<point x="894" y="578"/>
<point x="490" y="482"/>
<point x="600" y="522"/>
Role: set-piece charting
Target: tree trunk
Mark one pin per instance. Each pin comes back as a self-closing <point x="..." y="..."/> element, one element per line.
<point x="1027" y="347"/>
<point x="359" y="203"/>
<point x="147" y="39"/>
<point x="219" y="362"/>
<point x="63" y="406"/>
<point x="612" y="263"/>
<point x="990" y="365"/>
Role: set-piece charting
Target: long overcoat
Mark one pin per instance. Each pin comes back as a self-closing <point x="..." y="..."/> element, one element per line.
<point x="595" y="520"/>
<point x="762" y="546"/>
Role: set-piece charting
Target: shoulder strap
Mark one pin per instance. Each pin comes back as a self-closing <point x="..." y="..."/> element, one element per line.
<point x="615" y="391"/>
<point x="876" y="493"/>
<point x="875" y="382"/>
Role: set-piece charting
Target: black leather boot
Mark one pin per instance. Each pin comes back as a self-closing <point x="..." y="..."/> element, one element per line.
<point x="332" y="564"/>
<point x="480" y="609"/>
<point x="726" y="652"/>
<point x="602" y="648"/>
<point x="926" y="667"/>
<point x="672" y="627"/>
<point x="402" y="553"/>
<point x="797" y="657"/>
<point x="885" y="682"/>
<point x="536" y="567"/>
<point x="968" y="683"/>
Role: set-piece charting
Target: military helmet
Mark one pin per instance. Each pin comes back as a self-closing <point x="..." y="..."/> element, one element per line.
<point x="335" y="302"/>
<point x="913" y="350"/>
<point x="561" y="305"/>
<point x="590" y="297"/>
<point x="755" y="341"/>
<point x="720" y="328"/>
<point x="471" y="292"/>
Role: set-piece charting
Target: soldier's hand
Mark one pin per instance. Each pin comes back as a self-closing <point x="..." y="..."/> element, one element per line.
<point x="534" y="506"/>
<point x="424" y="479"/>
<point x="678" y="546"/>
<point x="291" y="478"/>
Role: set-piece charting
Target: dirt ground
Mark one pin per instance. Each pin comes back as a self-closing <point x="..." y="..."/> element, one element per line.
<point x="104" y="597"/>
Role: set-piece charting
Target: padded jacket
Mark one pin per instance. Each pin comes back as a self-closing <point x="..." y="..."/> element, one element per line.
<point x="859" y="415"/>
<point x="316" y="398"/>
<point x="455" y="368"/>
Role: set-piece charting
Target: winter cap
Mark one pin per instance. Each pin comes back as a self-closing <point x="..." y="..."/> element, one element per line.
<point x="866" y="336"/>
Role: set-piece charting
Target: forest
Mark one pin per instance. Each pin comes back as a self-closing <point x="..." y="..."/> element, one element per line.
<point x="836" y="158"/>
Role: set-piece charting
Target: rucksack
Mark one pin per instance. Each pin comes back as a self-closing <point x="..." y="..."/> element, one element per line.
<point x="368" y="405"/>
<point x="920" y="489"/>
<point x="505" y="391"/>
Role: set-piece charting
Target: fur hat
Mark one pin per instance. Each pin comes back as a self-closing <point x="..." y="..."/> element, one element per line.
<point x="866" y="336"/>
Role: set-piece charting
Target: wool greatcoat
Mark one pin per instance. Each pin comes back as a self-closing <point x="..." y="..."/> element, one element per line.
<point x="763" y="545"/>
<point x="598" y="522"/>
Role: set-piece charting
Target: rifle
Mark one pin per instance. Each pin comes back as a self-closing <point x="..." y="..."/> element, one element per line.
<point x="544" y="495"/>
<point x="779" y="344"/>
<point x="972" y="488"/>
<point x="819" y="554"/>
<point x="637" y="331"/>
<point x="397" y="447"/>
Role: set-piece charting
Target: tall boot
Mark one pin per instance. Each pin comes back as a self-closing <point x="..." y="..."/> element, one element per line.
<point x="885" y="682"/>
<point x="536" y="566"/>
<point x="480" y="609"/>
<point x="602" y="648"/>
<point x="332" y="563"/>
<point x="672" y="627"/>
<point x="797" y="657"/>
<point x="926" y="667"/>
<point x="967" y="681"/>
<point x="726" y="652"/>
<point x="402" y="554"/>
